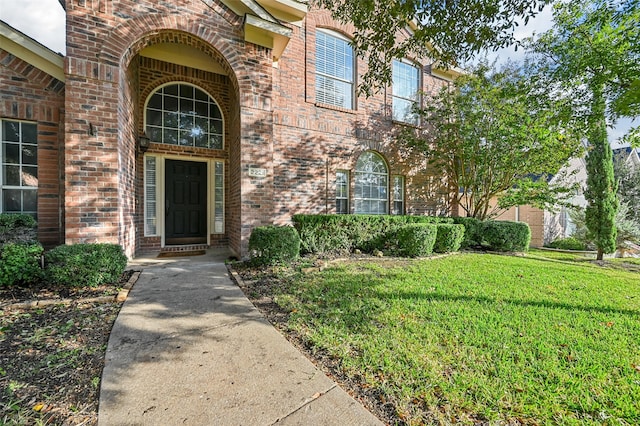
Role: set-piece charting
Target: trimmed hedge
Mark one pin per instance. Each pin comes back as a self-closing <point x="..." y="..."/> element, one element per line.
<point x="85" y="265"/>
<point x="472" y="231"/>
<point x="416" y="239"/>
<point x="274" y="244"/>
<point x="449" y="237"/>
<point x="17" y="220"/>
<point x="20" y="263"/>
<point x="569" y="243"/>
<point x="344" y="233"/>
<point x="17" y="228"/>
<point x="506" y="235"/>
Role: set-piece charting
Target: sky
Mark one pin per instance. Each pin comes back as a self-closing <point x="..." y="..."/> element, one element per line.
<point x="44" y="21"/>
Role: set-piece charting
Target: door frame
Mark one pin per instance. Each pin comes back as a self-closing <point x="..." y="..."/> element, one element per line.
<point x="161" y="193"/>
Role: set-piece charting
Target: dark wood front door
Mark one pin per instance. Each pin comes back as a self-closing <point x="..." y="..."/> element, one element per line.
<point x="185" y="202"/>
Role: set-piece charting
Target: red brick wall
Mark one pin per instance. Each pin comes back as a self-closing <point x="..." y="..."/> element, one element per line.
<point x="312" y="141"/>
<point x="27" y="93"/>
<point x="102" y="45"/>
<point x="271" y="121"/>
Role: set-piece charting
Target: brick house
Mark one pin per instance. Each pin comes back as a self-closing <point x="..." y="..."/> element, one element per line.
<point x="189" y="122"/>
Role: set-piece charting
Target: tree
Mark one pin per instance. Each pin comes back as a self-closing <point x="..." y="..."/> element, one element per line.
<point x="492" y="139"/>
<point x="628" y="179"/>
<point x="591" y="58"/>
<point x="450" y="32"/>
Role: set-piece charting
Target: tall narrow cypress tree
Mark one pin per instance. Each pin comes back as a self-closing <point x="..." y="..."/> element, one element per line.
<point x="602" y="201"/>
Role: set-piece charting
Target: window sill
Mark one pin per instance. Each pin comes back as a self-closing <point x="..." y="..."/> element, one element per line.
<point x="335" y="108"/>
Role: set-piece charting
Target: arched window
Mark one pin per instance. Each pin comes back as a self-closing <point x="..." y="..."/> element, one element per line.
<point x="182" y="114"/>
<point x="371" y="184"/>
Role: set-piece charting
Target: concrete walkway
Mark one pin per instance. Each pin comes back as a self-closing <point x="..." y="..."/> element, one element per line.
<point x="189" y="348"/>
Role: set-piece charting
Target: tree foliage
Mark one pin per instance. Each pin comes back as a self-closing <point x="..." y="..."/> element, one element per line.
<point x="591" y="57"/>
<point x="450" y="32"/>
<point x="493" y="139"/>
<point x="628" y="179"/>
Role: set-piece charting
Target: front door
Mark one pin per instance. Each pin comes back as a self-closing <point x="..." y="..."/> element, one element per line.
<point x="185" y="202"/>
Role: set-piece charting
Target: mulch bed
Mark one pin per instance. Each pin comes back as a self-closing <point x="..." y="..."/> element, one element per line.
<point x="51" y="356"/>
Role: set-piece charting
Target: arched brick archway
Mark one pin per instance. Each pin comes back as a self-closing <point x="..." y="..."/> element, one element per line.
<point x="105" y="94"/>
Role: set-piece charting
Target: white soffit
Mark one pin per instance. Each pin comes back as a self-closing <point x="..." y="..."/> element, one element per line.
<point x="182" y="55"/>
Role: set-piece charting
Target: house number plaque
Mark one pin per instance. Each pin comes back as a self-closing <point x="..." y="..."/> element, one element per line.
<point x="256" y="172"/>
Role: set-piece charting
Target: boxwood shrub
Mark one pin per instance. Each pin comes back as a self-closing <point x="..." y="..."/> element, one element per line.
<point x="506" y="235"/>
<point x="344" y="233"/>
<point x="274" y="244"/>
<point x="416" y="239"/>
<point x="17" y="228"/>
<point x="569" y="243"/>
<point x="472" y="231"/>
<point x="11" y="220"/>
<point x="85" y="265"/>
<point x="20" y="263"/>
<point x="449" y="237"/>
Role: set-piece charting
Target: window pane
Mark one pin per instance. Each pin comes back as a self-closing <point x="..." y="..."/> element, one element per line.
<point x="170" y="103"/>
<point x="186" y="91"/>
<point x="170" y="137"/>
<point x="12" y="200"/>
<point x="11" y="131"/>
<point x="154" y="118"/>
<point x="11" y="175"/>
<point x="29" y="176"/>
<point x="171" y="89"/>
<point x="29" y="200"/>
<point x="11" y="153"/>
<point x="29" y="133"/>
<point x="155" y="101"/>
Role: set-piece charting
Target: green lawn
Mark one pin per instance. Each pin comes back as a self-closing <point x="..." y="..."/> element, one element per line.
<point x="479" y="337"/>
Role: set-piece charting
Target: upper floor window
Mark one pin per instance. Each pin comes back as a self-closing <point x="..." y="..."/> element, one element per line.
<point x="406" y="95"/>
<point x="334" y="70"/>
<point x="371" y="184"/>
<point x="19" y="167"/>
<point x="182" y="114"/>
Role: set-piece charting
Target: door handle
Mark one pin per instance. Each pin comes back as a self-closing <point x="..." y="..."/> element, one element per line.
<point x="166" y="209"/>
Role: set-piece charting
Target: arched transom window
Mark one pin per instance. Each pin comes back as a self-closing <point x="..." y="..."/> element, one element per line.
<point x="182" y="114"/>
<point x="371" y="184"/>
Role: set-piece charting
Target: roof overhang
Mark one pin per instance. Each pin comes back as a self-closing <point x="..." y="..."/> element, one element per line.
<point x="263" y="21"/>
<point x="32" y="52"/>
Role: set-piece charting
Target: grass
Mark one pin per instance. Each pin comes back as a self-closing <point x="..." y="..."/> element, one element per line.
<point x="477" y="337"/>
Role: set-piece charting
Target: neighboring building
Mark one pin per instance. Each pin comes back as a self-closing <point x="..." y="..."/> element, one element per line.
<point x="250" y="109"/>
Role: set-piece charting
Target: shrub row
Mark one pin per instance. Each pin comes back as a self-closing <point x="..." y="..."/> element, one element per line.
<point x="78" y="265"/>
<point x="569" y="243"/>
<point x="345" y="233"/>
<point x="277" y="244"/>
